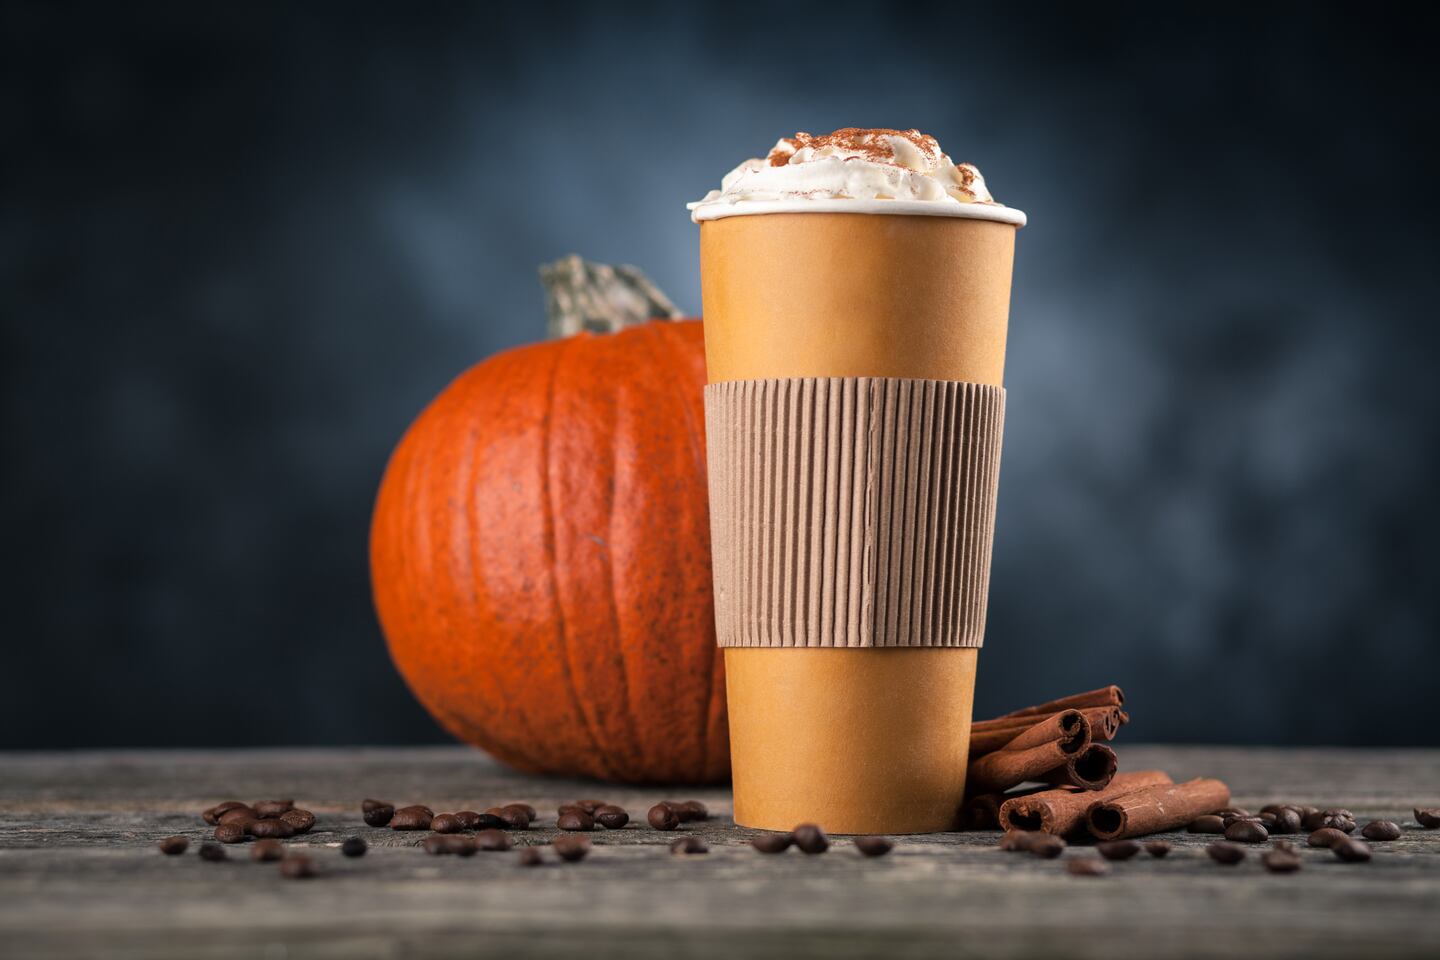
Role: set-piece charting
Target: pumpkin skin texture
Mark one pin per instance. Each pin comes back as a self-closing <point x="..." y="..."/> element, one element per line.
<point x="540" y="556"/>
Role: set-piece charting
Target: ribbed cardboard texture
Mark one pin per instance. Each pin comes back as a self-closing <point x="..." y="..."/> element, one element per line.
<point x="852" y="512"/>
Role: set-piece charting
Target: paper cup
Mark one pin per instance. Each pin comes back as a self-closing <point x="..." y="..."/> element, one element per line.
<point x="852" y="536"/>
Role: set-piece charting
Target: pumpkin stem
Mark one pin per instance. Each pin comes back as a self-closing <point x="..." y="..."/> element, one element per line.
<point x="581" y="295"/>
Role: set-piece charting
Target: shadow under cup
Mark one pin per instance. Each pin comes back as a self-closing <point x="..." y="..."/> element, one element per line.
<point x="835" y="717"/>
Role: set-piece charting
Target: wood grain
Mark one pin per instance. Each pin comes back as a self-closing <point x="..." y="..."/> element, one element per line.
<point x="80" y="876"/>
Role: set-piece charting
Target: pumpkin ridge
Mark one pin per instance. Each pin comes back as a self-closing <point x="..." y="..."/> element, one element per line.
<point x="547" y="433"/>
<point x="697" y="447"/>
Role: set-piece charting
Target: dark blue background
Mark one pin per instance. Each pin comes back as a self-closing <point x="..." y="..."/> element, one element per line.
<point x="241" y="247"/>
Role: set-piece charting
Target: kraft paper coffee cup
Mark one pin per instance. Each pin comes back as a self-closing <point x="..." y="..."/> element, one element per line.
<point x="855" y="360"/>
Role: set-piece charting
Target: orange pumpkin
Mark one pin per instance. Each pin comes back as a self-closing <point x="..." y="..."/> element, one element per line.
<point x="540" y="555"/>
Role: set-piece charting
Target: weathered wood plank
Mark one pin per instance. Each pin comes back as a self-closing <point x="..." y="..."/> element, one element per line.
<point x="79" y="874"/>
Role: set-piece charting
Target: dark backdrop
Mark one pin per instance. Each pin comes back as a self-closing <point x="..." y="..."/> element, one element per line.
<point x="242" y="246"/>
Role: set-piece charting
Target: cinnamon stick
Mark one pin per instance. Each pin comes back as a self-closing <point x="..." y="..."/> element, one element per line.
<point x="1104" y="722"/>
<point x="1156" y="809"/>
<point x="1067" y="725"/>
<point x="1062" y="810"/>
<point x="1111" y="696"/>
<point x="982" y="812"/>
<point x="1090" y="769"/>
<point x="1002" y="769"/>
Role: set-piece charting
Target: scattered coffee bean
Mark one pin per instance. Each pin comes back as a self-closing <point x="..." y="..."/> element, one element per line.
<point x="1325" y="837"/>
<point x="446" y="823"/>
<point x="1351" y="850"/>
<point x="212" y="852"/>
<point x="1273" y="808"/>
<point x="611" y="817"/>
<point x="213" y="815"/>
<point x="1312" y="819"/>
<point x="1118" y="849"/>
<point x="772" y="842"/>
<point x="688" y="845"/>
<point x="662" y="816"/>
<point x="1157" y="848"/>
<point x="377" y="813"/>
<point x="412" y="818"/>
<point x="492" y="839"/>
<point x="267" y="850"/>
<point x="468" y="819"/>
<point x="565" y="808"/>
<point x="590" y="806"/>
<point x="530" y="813"/>
<point x="1209" y="823"/>
<point x="173" y="846"/>
<point x="300" y="820"/>
<point x="1286" y="820"/>
<point x="1018" y="841"/>
<point x="1237" y="812"/>
<point x="1226" y="853"/>
<point x="354" y="847"/>
<point x="1086" y="867"/>
<point x="1305" y="810"/>
<point x="238" y="814"/>
<point x="1429" y="818"/>
<point x="1340" y="822"/>
<point x="572" y="849"/>
<point x="530" y="857"/>
<point x="1247" y="831"/>
<point x="874" y="846"/>
<point x="272" y="808"/>
<point x="298" y="867"/>
<point x="691" y="810"/>
<point x="270" y="828"/>
<point x="440" y="844"/>
<point x="230" y="832"/>
<point x="576" y="820"/>
<point x="509" y="818"/>
<point x="1047" y="845"/>
<point x="1381" y="830"/>
<point x="810" y="838"/>
<point x="1280" y="861"/>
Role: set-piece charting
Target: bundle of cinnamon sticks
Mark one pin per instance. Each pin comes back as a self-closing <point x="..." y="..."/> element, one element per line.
<point x="1059" y="745"/>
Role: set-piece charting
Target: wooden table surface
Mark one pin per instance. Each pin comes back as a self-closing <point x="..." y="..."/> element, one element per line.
<point x="80" y="874"/>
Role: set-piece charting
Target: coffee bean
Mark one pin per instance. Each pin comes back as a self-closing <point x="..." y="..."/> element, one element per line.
<point x="354" y="847"/>
<point x="565" y="808"/>
<point x="590" y="806"/>
<point x="298" y="867"/>
<point x="530" y="813"/>
<point x="300" y="820"/>
<point x="530" y="857"/>
<point x="489" y="821"/>
<point x="412" y="818"/>
<point x="810" y="838"/>
<point x="508" y="818"/>
<point x="440" y="844"/>
<point x="468" y="819"/>
<point x="212" y="852"/>
<point x="1286" y="820"/>
<point x="662" y="816"/>
<point x="689" y="845"/>
<point x="271" y="808"/>
<point x="1428" y="817"/>
<point x="446" y="823"/>
<point x="1280" y="861"/>
<point x="874" y="846"/>
<point x="1118" y="849"/>
<point x="173" y="846"/>
<point x="772" y="842"/>
<point x="238" y="814"/>
<point x="1340" y="822"/>
<point x="1351" y="850"/>
<point x="1238" y="812"/>
<point x="1018" y="841"/>
<point x="1285" y="846"/>
<point x="1086" y="867"/>
<point x="572" y="849"/>
<point x="377" y="813"/>
<point x="1312" y="820"/>
<point x="1381" y="830"/>
<point x="270" y="828"/>
<point x="576" y="820"/>
<point x="611" y="817"/>
<point x="1273" y="808"/>
<point x="1325" y="837"/>
<point x="1209" y="823"/>
<point x="230" y="832"/>
<point x="1047" y="845"/>
<point x="492" y="840"/>
<point x="212" y="816"/>
<point x="267" y="850"/>
<point x="1226" y="853"/>
<point x="1247" y="831"/>
<point x="691" y="810"/>
<point x="1157" y="848"/>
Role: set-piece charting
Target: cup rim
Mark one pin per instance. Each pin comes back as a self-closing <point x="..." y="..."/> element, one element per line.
<point x="714" y="210"/>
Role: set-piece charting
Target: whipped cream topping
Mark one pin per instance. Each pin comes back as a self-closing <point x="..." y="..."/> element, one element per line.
<point x="852" y="164"/>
